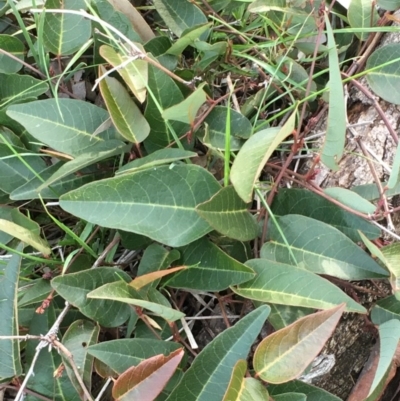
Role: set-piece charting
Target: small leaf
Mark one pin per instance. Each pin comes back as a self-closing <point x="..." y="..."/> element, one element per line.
<point x="287" y="285"/>
<point x="229" y="215"/>
<point x="15" y="47"/>
<point x="254" y="154"/>
<point x="362" y="14"/>
<point x="146" y="381"/>
<point x="26" y="236"/>
<point x="351" y="199"/>
<point x="134" y="73"/>
<point x="208" y="376"/>
<point x="385" y="309"/>
<point x="122" y="292"/>
<point x="336" y="125"/>
<point x="124" y="113"/>
<point x="188" y="37"/>
<point x="167" y="215"/>
<point x="64" y="33"/>
<point x="142" y="281"/>
<point x="285" y="354"/>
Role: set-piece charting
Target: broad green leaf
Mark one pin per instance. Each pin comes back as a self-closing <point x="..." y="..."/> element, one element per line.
<point x="285" y="354"/>
<point x="30" y="190"/>
<point x="370" y="192"/>
<point x="188" y="37"/>
<point x="14" y="46"/>
<point x="126" y="116"/>
<point x="313" y="393"/>
<point x="208" y="376"/>
<point x="215" y="131"/>
<point x="186" y="110"/>
<point x="179" y="15"/>
<point x="211" y="269"/>
<point x="319" y="248"/>
<point x="157" y="158"/>
<point x="10" y="365"/>
<point x="43" y="381"/>
<point x="351" y="199"/>
<point x="79" y="336"/>
<point x="70" y="132"/>
<point x="167" y="93"/>
<point x="253" y="390"/>
<point x="362" y="14"/>
<point x="134" y="73"/>
<point x="167" y="215"/>
<point x="254" y="154"/>
<point x="209" y="52"/>
<point x="35" y="292"/>
<point x="385" y="77"/>
<point x="290" y="397"/>
<point x="121" y="354"/>
<point x="14" y="167"/>
<point x="389" y="5"/>
<point x="389" y="336"/>
<point x="146" y="381"/>
<point x="335" y="137"/>
<point x="100" y="151"/>
<point x="385" y="309"/>
<point x="307" y="203"/>
<point x="229" y="215"/>
<point x="64" y="34"/>
<point x="283" y="315"/>
<point x="74" y="288"/>
<point x="123" y="292"/>
<point x="15" y="88"/>
<point x="278" y="283"/>
<point x="26" y="236"/>
<point x="391" y="253"/>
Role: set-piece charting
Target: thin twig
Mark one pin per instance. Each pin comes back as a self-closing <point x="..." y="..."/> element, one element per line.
<point x="104" y="254"/>
<point x="103" y="389"/>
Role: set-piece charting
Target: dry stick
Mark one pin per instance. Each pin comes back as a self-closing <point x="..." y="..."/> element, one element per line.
<point x="103" y="389"/>
<point x="37" y="395"/>
<point x="104" y="254"/>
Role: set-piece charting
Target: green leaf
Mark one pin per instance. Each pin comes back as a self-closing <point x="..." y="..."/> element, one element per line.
<point x="74" y="288"/>
<point x="126" y="116"/>
<point x="15" y="88"/>
<point x="64" y="34"/>
<point x="79" y="336"/>
<point x="385" y="309"/>
<point x="157" y="158"/>
<point x="211" y="269"/>
<point x="290" y="397"/>
<point x="313" y="393"/>
<point x="278" y="283"/>
<point x="285" y="354"/>
<point x="361" y="14"/>
<point x="209" y="375"/>
<point x="36" y="292"/>
<point x="100" y="151"/>
<point x="351" y="199"/>
<point x="166" y="92"/>
<point x="254" y="154"/>
<point x="10" y="365"/>
<point x="186" y="110"/>
<point x="121" y="354"/>
<point x="319" y="248"/>
<point x="370" y="192"/>
<point x="179" y="15"/>
<point x="283" y="315"/>
<point x="75" y="125"/>
<point x="307" y="203"/>
<point x="229" y="215"/>
<point x="167" y="215"/>
<point x="391" y="254"/>
<point x="15" y="47"/>
<point x="123" y="292"/>
<point x="134" y="73"/>
<point x="384" y="79"/>
<point x="336" y="125"/>
<point x="25" y="235"/>
<point x="214" y="134"/>
<point x="389" y="5"/>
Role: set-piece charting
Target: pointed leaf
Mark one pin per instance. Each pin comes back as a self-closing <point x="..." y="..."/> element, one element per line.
<point x="146" y="381"/>
<point x="142" y="281"/>
<point x="289" y="285"/>
<point x="121" y="354"/>
<point x="78" y="337"/>
<point x="285" y="354"/>
<point x="254" y="154"/>
<point x="391" y="253"/>
<point x="236" y="382"/>
<point x="209" y="375"/>
<point x="126" y="116"/>
<point x="135" y="73"/>
<point x="212" y="269"/>
<point x="313" y="393"/>
<point x="74" y="288"/>
<point x="351" y="199"/>
<point x="122" y="292"/>
<point x="64" y="34"/>
<point x="319" y="248"/>
<point x="71" y="132"/>
<point x="167" y="215"/>
<point x="10" y="363"/>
